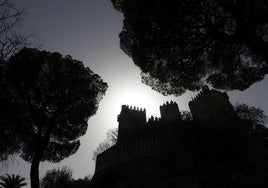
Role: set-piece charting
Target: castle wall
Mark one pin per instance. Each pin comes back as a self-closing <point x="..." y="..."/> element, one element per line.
<point x="170" y="112"/>
<point x="131" y="121"/>
<point x="135" y="135"/>
<point x="139" y="138"/>
<point x="120" y="153"/>
<point x="211" y="106"/>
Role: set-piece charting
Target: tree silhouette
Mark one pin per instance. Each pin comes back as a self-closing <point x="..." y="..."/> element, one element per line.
<point x="63" y="177"/>
<point x="57" y="178"/>
<point x="112" y="136"/>
<point x="257" y="120"/>
<point x="12" y="181"/>
<point x="254" y="114"/>
<point x="50" y="98"/>
<point x="9" y="139"/>
<point x="10" y="39"/>
<point x="182" y="45"/>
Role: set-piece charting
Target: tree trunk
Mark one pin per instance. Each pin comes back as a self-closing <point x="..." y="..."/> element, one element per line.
<point x="38" y="154"/>
<point x="34" y="174"/>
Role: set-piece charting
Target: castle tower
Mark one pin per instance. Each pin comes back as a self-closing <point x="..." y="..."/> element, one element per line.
<point x="170" y="112"/>
<point x="131" y="121"/>
<point x="211" y="106"/>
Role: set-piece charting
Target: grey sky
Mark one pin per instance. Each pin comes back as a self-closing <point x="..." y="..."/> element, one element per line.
<point x="88" y="31"/>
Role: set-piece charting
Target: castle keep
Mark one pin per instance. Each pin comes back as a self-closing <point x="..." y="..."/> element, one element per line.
<point x="145" y="150"/>
<point x="211" y="105"/>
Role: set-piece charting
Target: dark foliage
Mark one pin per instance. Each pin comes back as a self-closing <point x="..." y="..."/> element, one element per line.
<point x="111" y="140"/>
<point x="186" y="116"/>
<point x="57" y="178"/>
<point x="46" y="102"/>
<point x="257" y="120"/>
<point x="12" y="181"/>
<point x="182" y="45"/>
<point x="63" y="177"/>
<point x="9" y="139"/>
<point x="254" y="114"/>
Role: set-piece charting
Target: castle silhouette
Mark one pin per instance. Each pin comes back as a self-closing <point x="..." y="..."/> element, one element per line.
<point x="146" y="152"/>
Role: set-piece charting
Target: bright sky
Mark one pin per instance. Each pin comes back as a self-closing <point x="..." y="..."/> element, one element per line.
<point x="88" y="31"/>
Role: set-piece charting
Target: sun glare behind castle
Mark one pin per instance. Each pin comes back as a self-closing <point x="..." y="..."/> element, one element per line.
<point x="139" y="99"/>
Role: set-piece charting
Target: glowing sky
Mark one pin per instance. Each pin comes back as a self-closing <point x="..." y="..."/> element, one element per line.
<point x="88" y="31"/>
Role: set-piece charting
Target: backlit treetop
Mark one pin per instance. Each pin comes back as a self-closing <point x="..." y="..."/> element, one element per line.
<point x="182" y="45"/>
<point x="45" y="102"/>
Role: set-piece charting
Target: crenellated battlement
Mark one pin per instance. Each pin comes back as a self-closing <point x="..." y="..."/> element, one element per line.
<point x="154" y="121"/>
<point x="170" y="112"/>
<point x="168" y="103"/>
<point x="197" y="97"/>
<point x="206" y="91"/>
<point x="132" y="113"/>
<point x="133" y="108"/>
<point x="131" y="120"/>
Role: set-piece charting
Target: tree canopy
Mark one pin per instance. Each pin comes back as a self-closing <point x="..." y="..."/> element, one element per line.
<point x="57" y="178"/>
<point x="63" y="177"/>
<point x="258" y="122"/>
<point x="254" y="114"/>
<point x="182" y="45"/>
<point x="47" y="100"/>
